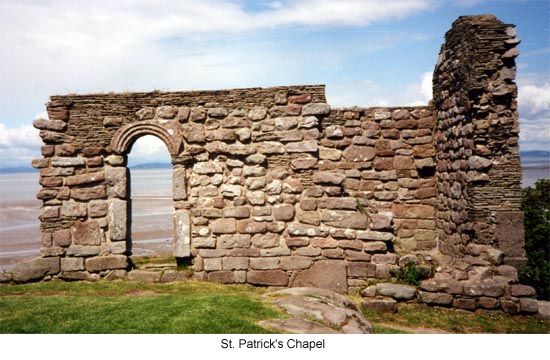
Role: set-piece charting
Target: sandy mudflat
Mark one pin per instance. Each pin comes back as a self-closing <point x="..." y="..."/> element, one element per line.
<point x="20" y="237"/>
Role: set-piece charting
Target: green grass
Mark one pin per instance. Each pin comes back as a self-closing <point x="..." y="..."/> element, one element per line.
<point x="200" y="307"/>
<point x="412" y="316"/>
<point x="132" y="308"/>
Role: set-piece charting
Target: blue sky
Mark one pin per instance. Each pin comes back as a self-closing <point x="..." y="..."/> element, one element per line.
<point x="367" y="52"/>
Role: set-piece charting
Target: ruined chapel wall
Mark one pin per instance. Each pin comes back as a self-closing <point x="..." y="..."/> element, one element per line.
<point x="478" y="162"/>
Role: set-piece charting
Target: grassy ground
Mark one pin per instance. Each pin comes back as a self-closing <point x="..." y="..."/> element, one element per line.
<point x="199" y="307"/>
<point x="123" y="307"/>
<point x="424" y="319"/>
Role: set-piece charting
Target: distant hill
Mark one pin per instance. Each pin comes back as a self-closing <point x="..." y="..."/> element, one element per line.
<point x="153" y="165"/>
<point x="16" y="169"/>
<point x="535" y="153"/>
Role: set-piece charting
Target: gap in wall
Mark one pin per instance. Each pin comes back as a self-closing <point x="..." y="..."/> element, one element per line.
<point x="150" y="175"/>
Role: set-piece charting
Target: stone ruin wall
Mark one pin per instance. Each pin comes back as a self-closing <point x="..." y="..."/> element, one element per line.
<point x="477" y="139"/>
<point x="273" y="187"/>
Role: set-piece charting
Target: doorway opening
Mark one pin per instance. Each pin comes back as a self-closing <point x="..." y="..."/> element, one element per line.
<point x="151" y="206"/>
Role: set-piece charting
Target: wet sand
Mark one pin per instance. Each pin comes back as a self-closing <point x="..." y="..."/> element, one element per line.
<point x="20" y="238"/>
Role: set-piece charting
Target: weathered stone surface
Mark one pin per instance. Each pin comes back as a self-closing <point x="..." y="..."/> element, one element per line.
<point x="72" y="264"/>
<point x="193" y="132"/>
<point x="359" y="153"/>
<point x="284" y="212"/>
<point x="268" y="277"/>
<point x="110" y="262"/>
<point x="251" y="227"/>
<point x="118" y="220"/>
<point x="295" y="262"/>
<point x="344" y="219"/>
<point x="234" y="241"/>
<point x="325" y="274"/>
<point x="67" y="161"/>
<point x="44" y="124"/>
<point x="182" y="233"/>
<point x="519" y="290"/>
<point x="297" y="326"/>
<point x="302" y="146"/>
<point x="316" y="109"/>
<point x="413" y="211"/>
<point x="329" y="308"/>
<point x="478" y="163"/>
<point x="328" y="178"/>
<point x="224" y="226"/>
<point x="35" y="269"/>
<point x="73" y="209"/>
<point x="86" y="233"/>
<point x="396" y="291"/>
<point x="528" y="305"/>
<point x="436" y="298"/>
<point x="381" y="305"/>
<point x="338" y="203"/>
<point x="83" y="250"/>
<point x="236" y="212"/>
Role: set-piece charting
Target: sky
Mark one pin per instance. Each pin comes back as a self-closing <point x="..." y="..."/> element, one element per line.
<point x="367" y="52"/>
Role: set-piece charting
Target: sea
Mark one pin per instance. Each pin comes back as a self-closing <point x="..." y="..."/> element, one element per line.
<point x="151" y="231"/>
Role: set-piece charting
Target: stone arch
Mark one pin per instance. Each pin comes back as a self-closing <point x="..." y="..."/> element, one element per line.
<point x="128" y="134"/>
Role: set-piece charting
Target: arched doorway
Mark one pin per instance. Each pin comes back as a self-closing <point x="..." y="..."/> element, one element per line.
<point x="169" y="135"/>
<point x="150" y="202"/>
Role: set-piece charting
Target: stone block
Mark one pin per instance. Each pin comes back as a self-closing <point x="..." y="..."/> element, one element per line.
<point x="510" y="306"/>
<point x="89" y="193"/>
<point x="284" y="212"/>
<point x="357" y="269"/>
<point x="212" y="264"/>
<point x="306" y="146"/>
<point x="464" y="304"/>
<point x="182" y="233"/>
<point x="295" y="262"/>
<point x="223" y="226"/>
<point x="338" y="203"/>
<point x="62" y="238"/>
<point x="355" y="153"/>
<point x="83" y="250"/>
<point x="530" y="306"/>
<point x="111" y="262"/>
<point x="396" y="291"/>
<point x="236" y="212"/>
<point x="35" y="269"/>
<point x="309" y="217"/>
<point x="344" y="219"/>
<point x="329" y="154"/>
<point x="380" y="305"/>
<point x="375" y="246"/>
<point x="203" y="242"/>
<point x="406" y="211"/>
<point x="303" y="163"/>
<point x="519" y="290"/>
<point x="118" y="219"/>
<point x="487" y="303"/>
<point x="268" y="277"/>
<point x="86" y="233"/>
<point x="224" y="277"/>
<point x="79" y="276"/>
<point x="326" y="274"/>
<point x="72" y="264"/>
<point x="436" y="298"/>
<point x="251" y="227"/>
<point x="256" y="198"/>
<point x="306" y="230"/>
<point x="115" y="177"/>
<point x="97" y="208"/>
<point x="267" y="240"/>
<point x="316" y="109"/>
<point x="374" y="235"/>
<point x="270" y="263"/>
<point x="234" y="241"/>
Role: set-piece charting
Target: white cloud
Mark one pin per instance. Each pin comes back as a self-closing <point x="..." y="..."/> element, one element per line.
<point x="534" y="99"/>
<point x="148" y="149"/>
<point x="18" y="146"/>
